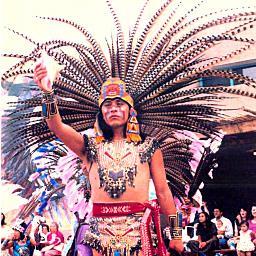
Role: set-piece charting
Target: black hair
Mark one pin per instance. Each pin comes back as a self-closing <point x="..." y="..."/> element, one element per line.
<point x="3" y="220"/>
<point x="243" y="208"/>
<point x="108" y="131"/>
<point x="207" y="222"/>
<point x="22" y="235"/>
<point x="105" y="128"/>
<point x="219" y="208"/>
<point x="207" y="216"/>
<point x="244" y="222"/>
<point x="45" y="225"/>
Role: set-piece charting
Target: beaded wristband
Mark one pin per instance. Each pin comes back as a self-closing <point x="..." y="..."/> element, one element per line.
<point x="176" y="233"/>
<point x="175" y="221"/>
<point x="49" y="95"/>
<point x="49" y="104"/>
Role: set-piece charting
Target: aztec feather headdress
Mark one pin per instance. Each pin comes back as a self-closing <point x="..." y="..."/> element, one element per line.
<point x="161" y="70"/>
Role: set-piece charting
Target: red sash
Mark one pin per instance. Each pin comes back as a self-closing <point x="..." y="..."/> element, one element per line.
<point x="151" y="211"/>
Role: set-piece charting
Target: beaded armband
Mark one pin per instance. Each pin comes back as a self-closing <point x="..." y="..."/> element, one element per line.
<point x="49" y="104"/>
<point x="175" y="221"/>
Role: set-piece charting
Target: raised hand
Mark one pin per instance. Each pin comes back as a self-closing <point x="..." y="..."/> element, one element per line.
<point x="41" y="78"/>
<point x="45" y="72"/>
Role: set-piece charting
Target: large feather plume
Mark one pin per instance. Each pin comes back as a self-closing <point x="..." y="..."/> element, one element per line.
<point x="161" y="65"/>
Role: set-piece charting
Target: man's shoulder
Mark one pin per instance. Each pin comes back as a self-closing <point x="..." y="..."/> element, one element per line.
<point x="149" y="143"/>
<point x="149" y="140"/>
<point x="213" y="220"/>
<point x="147" y="148"/>
<point x="225" y="219"/>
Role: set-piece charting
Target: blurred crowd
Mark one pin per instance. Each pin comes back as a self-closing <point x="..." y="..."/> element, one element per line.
<point x="220" y="235"/>
<point x="33" y="238"/>
<point x="201" y="235"/>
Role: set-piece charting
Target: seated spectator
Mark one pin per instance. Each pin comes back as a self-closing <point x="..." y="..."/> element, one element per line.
<point x="55" y="241"/>
<point x="218" y="214"/>
<point x="221" y="229"/>
<point x="5" y="233"/>
<point x="195" y="212"/>
<point x="242" y="216"/>
<point x="43" y="231"/>
<point x="252" y="221"/>
<point x="207" y="236"/>
<point x="19" y="241"/>
<point x="245" y="246"/>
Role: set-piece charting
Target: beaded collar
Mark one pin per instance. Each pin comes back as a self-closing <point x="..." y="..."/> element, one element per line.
<point x="118" y="162"/>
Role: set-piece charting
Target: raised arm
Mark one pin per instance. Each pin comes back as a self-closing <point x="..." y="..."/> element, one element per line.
<point x="69" y="136"/>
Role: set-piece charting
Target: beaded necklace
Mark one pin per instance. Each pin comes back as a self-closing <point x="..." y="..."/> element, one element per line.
<point x="117" y="166"/>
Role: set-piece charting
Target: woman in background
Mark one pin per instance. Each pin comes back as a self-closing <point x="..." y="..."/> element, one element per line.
<point x="207" y="236"/>
<point x="55" y="241"/>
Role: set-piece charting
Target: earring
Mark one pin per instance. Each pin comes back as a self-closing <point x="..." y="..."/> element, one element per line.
<point x="133" y="128"/>
<point x="98" y="131"/>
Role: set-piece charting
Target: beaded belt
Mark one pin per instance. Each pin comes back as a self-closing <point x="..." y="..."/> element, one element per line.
<point x="151" y="211"/>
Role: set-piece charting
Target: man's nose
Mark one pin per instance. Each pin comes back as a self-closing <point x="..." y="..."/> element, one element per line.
<point x="113" y="108"/>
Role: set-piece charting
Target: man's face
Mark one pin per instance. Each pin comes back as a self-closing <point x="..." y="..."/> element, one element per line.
<point x="217" y="213"/>
<point x="115" y="112"/>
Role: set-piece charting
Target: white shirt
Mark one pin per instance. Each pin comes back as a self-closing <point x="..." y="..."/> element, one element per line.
<point x="227" y="223"/>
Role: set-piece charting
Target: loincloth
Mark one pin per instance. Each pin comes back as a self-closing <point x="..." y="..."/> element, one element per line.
<point x="125" y="229"/>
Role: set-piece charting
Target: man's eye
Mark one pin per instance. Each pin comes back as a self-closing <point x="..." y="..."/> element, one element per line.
<point x="107" y="104"/>
<point x="119" y="103"/>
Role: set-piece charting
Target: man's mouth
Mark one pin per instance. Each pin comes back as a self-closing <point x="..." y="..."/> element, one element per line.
<point x="111" y="117"/>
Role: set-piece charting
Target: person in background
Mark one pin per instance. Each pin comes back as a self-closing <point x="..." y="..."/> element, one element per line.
<point x="43" y="232"/>
<point x="252" y="221"/>
<point x="221" y="229"/>
<point x="218" y="215"/>
<point x="245" y="246"/>
<point x="207" y="236"/>
<point x="55" y="241"/>
<point x="242" y="216"/>
<point x="21" y="243"/>
<point x="197" y="210"/>
<point x="5" y="232"/>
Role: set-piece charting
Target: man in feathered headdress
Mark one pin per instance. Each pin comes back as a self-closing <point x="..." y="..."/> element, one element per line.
<point x="160" y="71"/>
<point x="119" y="162"/>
